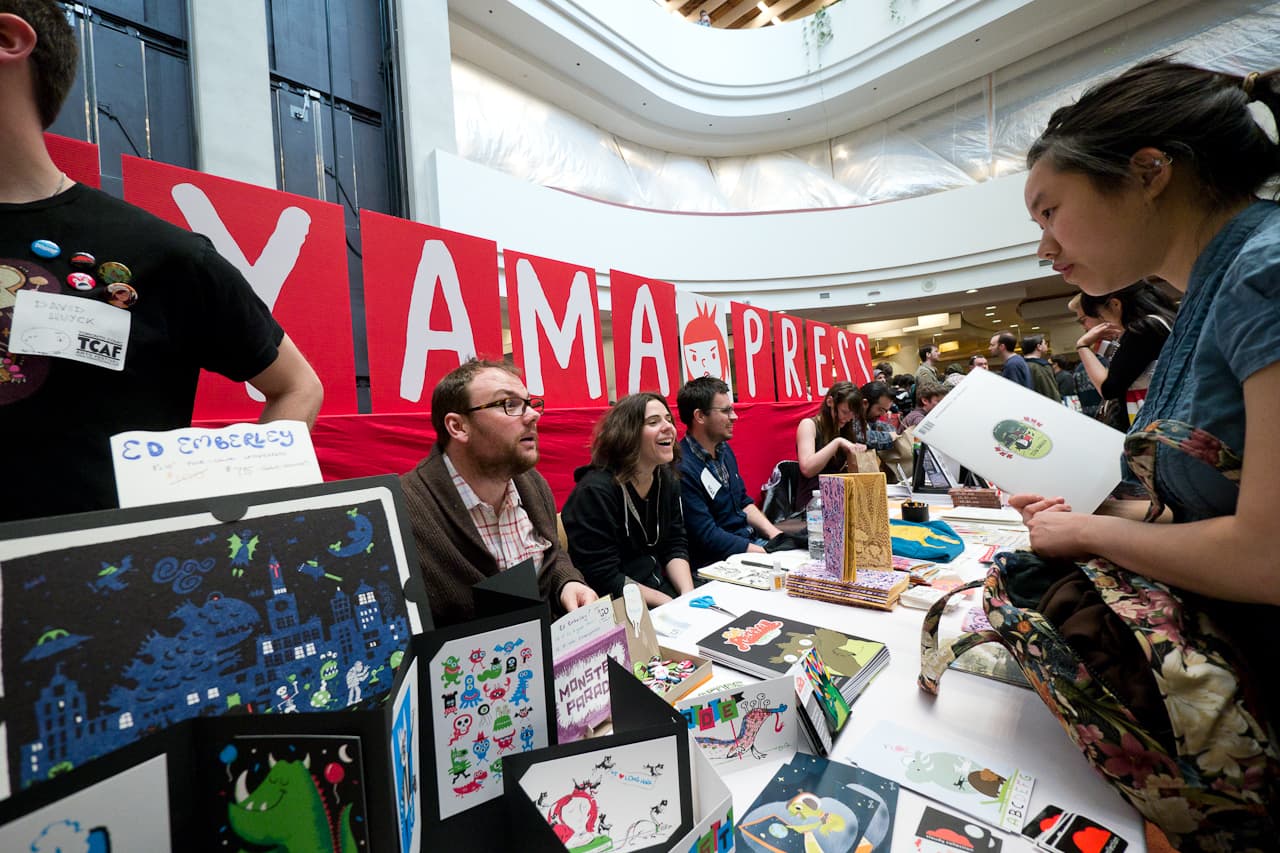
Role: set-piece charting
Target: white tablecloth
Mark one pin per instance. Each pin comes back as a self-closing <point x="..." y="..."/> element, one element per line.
<point x="1005" y="725"/>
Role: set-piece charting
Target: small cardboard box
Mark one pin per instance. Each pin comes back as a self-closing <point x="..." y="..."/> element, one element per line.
<point x="643" y="645"/>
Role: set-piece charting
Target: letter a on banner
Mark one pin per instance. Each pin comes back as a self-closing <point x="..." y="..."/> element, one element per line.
<point x="645" y="335"/>
<point x="434" y="305"/>
<point x="820" y="346"/>
<point x="704" y="341"/>
<point x="293" y="252"/>
<point x="852" y="357"/>
<point x="788" y="348"/>
<point x="555" y="329"/>
<point x="752" y="352"/>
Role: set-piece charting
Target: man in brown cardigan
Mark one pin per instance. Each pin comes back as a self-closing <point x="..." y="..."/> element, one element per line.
<point x="476" y="504"/>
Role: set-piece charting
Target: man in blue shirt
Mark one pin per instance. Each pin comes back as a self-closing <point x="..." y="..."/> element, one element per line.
<point x="1015" y="366"/>
<point x="719" y="518"/>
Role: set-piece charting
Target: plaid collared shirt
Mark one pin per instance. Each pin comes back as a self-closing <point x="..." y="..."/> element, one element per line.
<point x="508" y="534"/>
<point x="719" y="470"/>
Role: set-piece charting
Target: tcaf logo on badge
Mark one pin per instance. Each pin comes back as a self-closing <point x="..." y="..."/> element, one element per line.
<point x="61" y="326"/>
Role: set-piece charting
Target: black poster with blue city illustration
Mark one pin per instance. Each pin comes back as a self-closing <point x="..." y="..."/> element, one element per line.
<point x="102" y="644"/>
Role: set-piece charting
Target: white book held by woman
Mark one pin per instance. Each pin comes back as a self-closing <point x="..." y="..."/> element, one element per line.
<point x="1024" y="442"/>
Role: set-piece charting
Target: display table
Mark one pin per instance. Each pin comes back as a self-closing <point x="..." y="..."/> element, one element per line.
<point x="1003" y="724"/>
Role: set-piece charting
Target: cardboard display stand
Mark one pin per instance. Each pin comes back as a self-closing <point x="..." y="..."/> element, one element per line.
<point x="181" y="660"/>
<point x="643" y="788"/>
<point x="486" y="699"/>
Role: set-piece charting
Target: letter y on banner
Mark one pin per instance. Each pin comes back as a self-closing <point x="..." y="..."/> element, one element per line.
<point x="291" y="249"/>
<point x="555" y="329"/>
<point x="788" y="348"/>
<point x="752" y="352"/>
<point x="645" y="335"/>
<point x="431" y="297"/>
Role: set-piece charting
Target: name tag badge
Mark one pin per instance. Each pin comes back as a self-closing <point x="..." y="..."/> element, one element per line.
<point x="712" y="484"/>
<point x="60" y="326"/>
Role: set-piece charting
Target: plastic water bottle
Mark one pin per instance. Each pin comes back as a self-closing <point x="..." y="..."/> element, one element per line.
<point x="813" y="518"/>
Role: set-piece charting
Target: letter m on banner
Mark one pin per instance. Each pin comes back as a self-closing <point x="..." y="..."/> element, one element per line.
<point x="293" y="252"/>
<point x="555" y="329"/>
<point x="431" y="299"/>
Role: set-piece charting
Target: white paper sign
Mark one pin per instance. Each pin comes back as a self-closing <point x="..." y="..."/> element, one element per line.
<point x="1024" y="442"/>
<point x="183" y="464"/>
<point x="73" y="327"/>
<point x="580" y="627"/>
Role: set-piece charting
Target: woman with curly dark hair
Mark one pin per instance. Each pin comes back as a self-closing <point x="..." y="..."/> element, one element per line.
<point x="623" y="519"/>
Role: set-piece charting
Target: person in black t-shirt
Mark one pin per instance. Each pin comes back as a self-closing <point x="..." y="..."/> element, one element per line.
<point x="1140" y="317"/>
<point x="180" y="306"/>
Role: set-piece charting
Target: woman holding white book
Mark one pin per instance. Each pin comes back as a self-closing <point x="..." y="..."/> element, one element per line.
<point x="1157" y="173"/>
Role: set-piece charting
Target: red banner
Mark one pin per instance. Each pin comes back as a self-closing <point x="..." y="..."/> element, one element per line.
<point x="555" y="329"/>
<point x="788" y="348"/>
<point x="298" y="268"/>
<point x="78" y="159"/>
<point x="364" y="445"/>
<point x="432" y="297"/>
<point x="852" y="357"/>
<point x="645" y="336"/>
<point x="820" y="339"/>
<point x="752" y="352"/>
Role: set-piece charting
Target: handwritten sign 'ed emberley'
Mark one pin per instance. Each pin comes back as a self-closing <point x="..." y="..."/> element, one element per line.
<point x="183" y="464"/>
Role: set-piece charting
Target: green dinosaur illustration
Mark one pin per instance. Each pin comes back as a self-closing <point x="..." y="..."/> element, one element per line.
<point x="287" y="814"/>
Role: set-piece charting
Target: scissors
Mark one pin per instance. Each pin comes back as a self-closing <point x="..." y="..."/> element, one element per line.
<point x="706" y="602"/>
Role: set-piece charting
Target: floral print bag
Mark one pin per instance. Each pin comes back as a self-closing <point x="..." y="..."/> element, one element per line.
<point x="1139" y="677"/>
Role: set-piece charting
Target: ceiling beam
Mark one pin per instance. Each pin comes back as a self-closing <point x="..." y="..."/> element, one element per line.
<point x="777" y="9"/>
<point x="736" y="12"/>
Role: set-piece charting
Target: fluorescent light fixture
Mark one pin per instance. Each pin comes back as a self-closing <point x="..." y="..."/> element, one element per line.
<point x="1034" y="328"/>
<point x="929" y="321"/>
<point x="990" y="308"/>
<point x="972" y="290"/>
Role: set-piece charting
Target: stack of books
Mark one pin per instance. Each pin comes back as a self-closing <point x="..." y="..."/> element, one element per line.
<point x="767" y="646"/>
<point x="871" y="588"/>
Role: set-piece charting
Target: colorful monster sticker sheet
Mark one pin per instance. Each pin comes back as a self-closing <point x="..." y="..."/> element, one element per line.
<point x="488" y="700"/>
<point x="127" y="811"/>
<point x="405" y="761"/>
<point x="741" y="726"/>
<point x="285" y="792"/>
<point x="812" y="805"/>
<point x="997" y="795"/>
<point x="117" y="624"/>
<point x="621" y="797"/>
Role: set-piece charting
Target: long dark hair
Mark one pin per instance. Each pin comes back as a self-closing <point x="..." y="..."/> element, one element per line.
<point x="1199" y="117"/>
<point x="1140" y="304"/>
<point x="841" y="392"/>
<point x="615" y="443"/>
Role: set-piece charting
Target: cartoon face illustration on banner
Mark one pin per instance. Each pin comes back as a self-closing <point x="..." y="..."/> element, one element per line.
<point x="704" y="349"/>
<point x="1023" y="438"/>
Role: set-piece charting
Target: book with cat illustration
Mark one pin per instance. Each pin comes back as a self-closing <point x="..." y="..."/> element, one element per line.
<point x="767" y="646"/>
